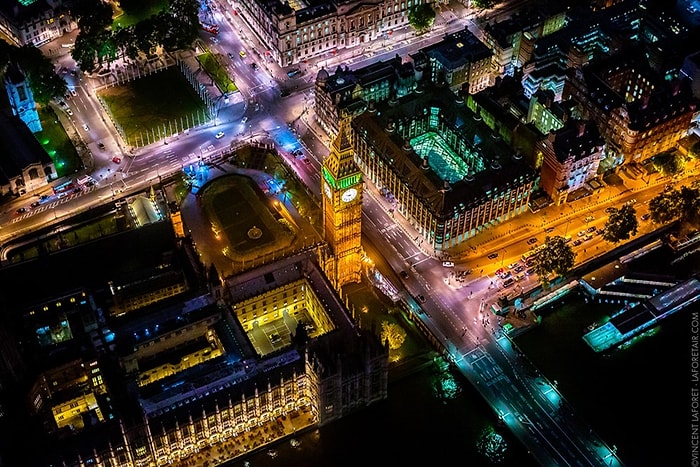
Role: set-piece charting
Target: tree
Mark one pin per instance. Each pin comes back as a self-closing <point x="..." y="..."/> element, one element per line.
<point x="622" y="223"/>
<point x="483" y="4"/>
<point x="665" y="207"/>
<point x="669" y="163"/>
<point x="43" y="80"/>
<point x="683" y="204"/>
<point x="557" y="257"/>
<point x="393" y="333"/>
<point x="421" y="17"/>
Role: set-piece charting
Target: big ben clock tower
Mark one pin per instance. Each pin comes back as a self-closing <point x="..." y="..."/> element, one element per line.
<point x="341" y="186"/>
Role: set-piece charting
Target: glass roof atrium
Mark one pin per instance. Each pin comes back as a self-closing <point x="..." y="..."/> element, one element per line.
<point x="445" y="161"/>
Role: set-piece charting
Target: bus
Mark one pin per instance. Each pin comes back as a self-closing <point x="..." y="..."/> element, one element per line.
<point x="64" y="187"/>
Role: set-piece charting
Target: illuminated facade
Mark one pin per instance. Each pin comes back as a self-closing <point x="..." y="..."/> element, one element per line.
<point x="342" y="210"/>
<point x="512" y="41"/>
<point x="450" y="175"/>
<point x="639" y="113"/>
<point x="204" y="374"/>
<point x="460" y="61"/>
<point x="296" y="31"/>
<point x="34" y="22"/>
<point x="571" y="156"/>
<point x="347" y="92"/>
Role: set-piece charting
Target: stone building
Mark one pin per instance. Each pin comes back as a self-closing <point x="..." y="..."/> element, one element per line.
<point x="448" y="174"/>
<point x="570" y="155"/>
<point x="297" y="31"/>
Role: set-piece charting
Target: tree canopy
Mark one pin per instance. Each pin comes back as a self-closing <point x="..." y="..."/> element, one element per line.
<point x="97" y="43"/>
<point x="683" y="204"/>
<point x="38" y="69"/>
<point x="557" y="257"/>
<point x="421" y="17"/>
<point x="621" y="224"/>
<point x="669" y="163"/>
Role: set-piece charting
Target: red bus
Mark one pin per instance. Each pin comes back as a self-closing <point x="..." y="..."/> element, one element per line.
<point x="64" y="187"/>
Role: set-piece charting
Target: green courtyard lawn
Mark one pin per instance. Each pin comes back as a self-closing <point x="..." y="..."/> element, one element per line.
<point x="217" y="72"/>
<point x="138" y="12"/>
<point x="154" y="106"/>
<point x="55" y="141"/>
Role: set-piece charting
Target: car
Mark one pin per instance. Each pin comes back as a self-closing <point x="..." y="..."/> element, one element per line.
<point x="508" y="282"/>
<point x="293" y="72"/>
<point x="404" y="274"/>
<point x="44" y="197"/>
<point x="610" y="210"/>
<point x="36" y="204"/>
<point x="244" y="119"/>
<point x="587" y="237"/>
<point x="646" y="216"/>
<point x="307" y="161"/>
<point x="69" y="112"/>
<point x="590" y="218"/>
<point x="577" y="242"/>
<point x="297" y="153"/>
<point x="421" y="298"/>
<point x="284" y="93"/>
<point x="242" y="54"/>
<point x="73" y="93"/>
<point x="549" y="229"/>
<point x="591" y="229"/>
<point x="493" y="256"/>
<point x="85" y="127"/>
<point x="631" y="202"/>
<point x="101" y="145"/>
<point x="231" y="56"/>
<point x="62" y="104"/>
<point x="219" y="135"/>
<point x="254" y="66"/>
<point x="581" y="233"/>
<point x="500" y="272"/>
<point x="532" y="241"/>
<point x="513" y="265"/>
<point x="600" y="231"/>
<point x="518" y="268"/>
<point x="21" y="210"/>
<point x="116" y="160"/>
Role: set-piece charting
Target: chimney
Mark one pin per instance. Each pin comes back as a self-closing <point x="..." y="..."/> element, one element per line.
<point x="645" y="101"/>
<point x="581" y="129"/>
<point x="675" y="87"/>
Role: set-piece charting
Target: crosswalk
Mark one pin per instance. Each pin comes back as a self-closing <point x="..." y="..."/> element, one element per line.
<point x="53" y="203"/>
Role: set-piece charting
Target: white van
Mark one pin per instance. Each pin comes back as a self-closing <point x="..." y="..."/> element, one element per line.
<point x="448" y="264"/>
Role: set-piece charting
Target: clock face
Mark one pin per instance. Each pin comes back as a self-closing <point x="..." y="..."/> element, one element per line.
<point x="327" y="189"/>
<point x="349" y="195"/>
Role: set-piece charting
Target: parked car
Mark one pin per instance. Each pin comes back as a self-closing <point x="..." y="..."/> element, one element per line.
<point x="646" y="216"/>
<point x="116" y="160"/>
<point x="493" y="256"/>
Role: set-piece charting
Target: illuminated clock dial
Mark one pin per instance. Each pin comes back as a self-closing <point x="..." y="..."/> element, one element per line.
<point x="327" y="189"/>
<point x="349" y="195"/>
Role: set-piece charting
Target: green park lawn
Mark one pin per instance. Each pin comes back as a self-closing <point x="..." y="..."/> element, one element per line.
<point x="217" y="72"/>
<point x="140" y="11"/>
<point x="154" y="106"/>
<point x="58" y="146"/>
